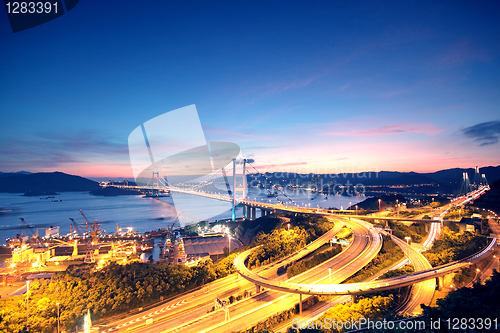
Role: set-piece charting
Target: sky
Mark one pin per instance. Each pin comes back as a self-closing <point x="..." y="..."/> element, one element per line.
<point x="300" y="86"/>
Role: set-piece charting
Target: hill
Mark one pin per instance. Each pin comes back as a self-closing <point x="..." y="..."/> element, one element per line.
<point x="443" y="181"/>
<point x="491" y="199"/>
<point x="46" y="182"/>
<point x="8" y="174"/>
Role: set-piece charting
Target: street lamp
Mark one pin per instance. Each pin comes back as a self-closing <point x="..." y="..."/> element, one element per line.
<point x="27" y="301"/>
<point x="356" y="209"/>
<point x="58" y="330"/>
<point x="330" y="279"/>
<point x="407" y="238"/>
<point x="379" y="207"/>
<point x="288" y="226"/>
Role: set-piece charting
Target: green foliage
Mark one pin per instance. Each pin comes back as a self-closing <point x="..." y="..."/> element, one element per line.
<point x="112" y="290"/>
<point x="376" y="307"/>
<point x="454" y="246"/>
<point x="416" y="231"/>
<point x="481" y="301"/>
<point x="389" y="254"/>
<point x="456" y="213"/>
<point x="398" y="272"/>
<point x="464" y="275"/>
<point x="344" y="233"/>
<point x="409" y="213"/>
<point x="318" y="258"/>
<point x="278" y="244"/>
<point x="435" y="204"/>
<point x="281" y="242"/>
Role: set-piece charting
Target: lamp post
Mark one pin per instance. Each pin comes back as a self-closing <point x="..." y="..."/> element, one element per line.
<point x="356" y="209"/>
<point x="288" y="226"/>
<point x="379" y="206"/>
<point x="330" y="279"/>
<point x="27" y="302"/>
<point x="407" y="240"/>
<point x="58" y="330"/>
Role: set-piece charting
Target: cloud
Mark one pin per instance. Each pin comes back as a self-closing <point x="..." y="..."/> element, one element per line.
<point x="390" y="94"/>
<point x="281" y="165"/>
<point x="231" y="133"/>
<point x="465" y="52"/>
<point x="51" y="150"/>
<point x="278" y="86"/>
<point x="388" y="130"/>
<point x="344" y="87"/>
<point x="486" y="133"/>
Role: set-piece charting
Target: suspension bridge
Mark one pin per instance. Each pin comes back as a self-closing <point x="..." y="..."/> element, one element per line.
<point x="229" y="184"/>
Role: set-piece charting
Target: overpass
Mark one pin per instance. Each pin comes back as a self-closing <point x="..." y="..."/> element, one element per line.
<point x="362" y="287"/>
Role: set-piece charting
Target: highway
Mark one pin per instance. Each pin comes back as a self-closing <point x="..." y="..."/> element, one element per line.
<point x="422" y="292"/>
<point x="363" y="287"/>
<point x="192" y="316"/>
<point x="198" y="302"/>
<point x="360" y="252"/>
<point x="189" y="313"/>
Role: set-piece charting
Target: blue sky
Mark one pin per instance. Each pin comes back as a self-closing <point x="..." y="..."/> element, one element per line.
<point x="300" y="86"/>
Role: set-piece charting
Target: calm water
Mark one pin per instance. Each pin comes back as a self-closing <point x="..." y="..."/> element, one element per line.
<point x="142" y="214"/>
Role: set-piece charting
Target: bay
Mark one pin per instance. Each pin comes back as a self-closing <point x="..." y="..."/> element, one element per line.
<point x="140" y="213"/>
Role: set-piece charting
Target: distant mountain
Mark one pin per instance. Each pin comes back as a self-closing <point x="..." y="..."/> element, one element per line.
<point x="399" y="178"/>
<point x="383" y="178"/>
<point x="491" y="199"/>
<point x="455" y="175"/>
<point x="7" y="174"/>
<point x="46" y="182"/>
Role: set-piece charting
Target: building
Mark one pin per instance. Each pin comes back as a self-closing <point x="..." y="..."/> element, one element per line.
<point x="206" y="247"/>
<point x="470" y="224"/>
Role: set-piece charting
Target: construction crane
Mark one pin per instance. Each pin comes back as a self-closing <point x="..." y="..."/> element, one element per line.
<point x="170" y="233"/>
<point x="31" y="234"/>
<point x="95" y="226"/>
<point x="92" y="242"/>
<point x="77" y="227"/>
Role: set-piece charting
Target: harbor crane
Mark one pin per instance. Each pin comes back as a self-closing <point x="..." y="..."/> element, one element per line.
<point x="92" y="242"/>
<point x="31" y="234"/>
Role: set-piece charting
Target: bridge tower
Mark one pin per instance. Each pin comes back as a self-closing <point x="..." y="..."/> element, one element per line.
<point x="477" y="177"/>
<point x="465" y="188"/>
<point x="233" y="215"/>
<point x="244" y="196"/>
<point x="483" y="180"/>
<point x="155" y="183"/>
<point x="245" y="211"/>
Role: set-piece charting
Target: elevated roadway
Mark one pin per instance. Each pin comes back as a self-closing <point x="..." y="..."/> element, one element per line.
<point x="363" y="287"/>
<point x="192" y="316"/>
<point x="196" y="303"/>
<point x="259" y="307"/>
